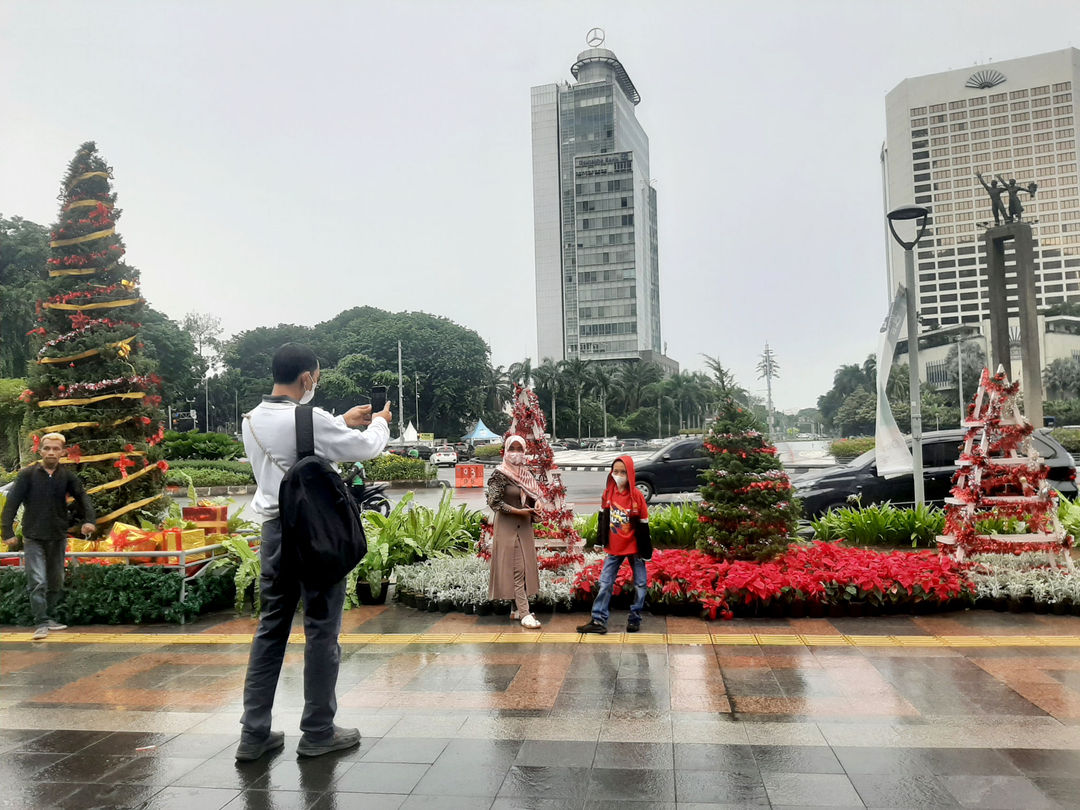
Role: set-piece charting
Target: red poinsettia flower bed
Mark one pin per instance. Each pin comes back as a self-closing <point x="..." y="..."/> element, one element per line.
<point x="825" y="573"/>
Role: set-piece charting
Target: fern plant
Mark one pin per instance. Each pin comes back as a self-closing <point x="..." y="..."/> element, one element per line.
<point x="248" y="570"/>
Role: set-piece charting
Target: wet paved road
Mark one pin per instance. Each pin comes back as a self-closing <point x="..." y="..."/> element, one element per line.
<point x="961" y="710"/>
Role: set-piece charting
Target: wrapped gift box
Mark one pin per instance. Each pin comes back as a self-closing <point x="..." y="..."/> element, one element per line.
<point x="211" y="519"/>
<point x="125" y="537"/>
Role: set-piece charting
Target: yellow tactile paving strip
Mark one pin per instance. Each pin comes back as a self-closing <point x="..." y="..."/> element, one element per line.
<point x="634" y="639"/>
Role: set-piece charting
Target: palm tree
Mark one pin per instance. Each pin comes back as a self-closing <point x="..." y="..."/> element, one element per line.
<point x="600" y="381"/>
<point x="500" y="387"/>
<point x="547" y="379"/>
<point x="1062" y="377"/>
<point x="522" y="372"/>
<point x="633" y="377"/>
<point x="575" y="374"/>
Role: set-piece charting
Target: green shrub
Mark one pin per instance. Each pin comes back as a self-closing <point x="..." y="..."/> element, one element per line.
<point x="1070" y="439"/>
<point x="208" y="477"/>
<point x="241" y="467"/>
<point x="118" y="594"/>
<point x="881" y="525"/>
<point x="489" y="451"/>
<point x="849" y="448"/>
<point x="201" y="445"/>
<point x="674" y="526"/>
<point x="389" y="467"/>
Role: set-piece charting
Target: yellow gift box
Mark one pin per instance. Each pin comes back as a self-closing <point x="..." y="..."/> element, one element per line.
<point x="194" y="538"/>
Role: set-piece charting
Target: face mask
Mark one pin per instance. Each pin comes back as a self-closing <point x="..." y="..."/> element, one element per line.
<point x="620" y="480"/>
<point x="308" y="395"/>
<point x="515" y="457"/>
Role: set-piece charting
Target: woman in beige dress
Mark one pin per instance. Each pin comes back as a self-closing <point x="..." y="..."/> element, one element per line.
<point x="513" y="493"/>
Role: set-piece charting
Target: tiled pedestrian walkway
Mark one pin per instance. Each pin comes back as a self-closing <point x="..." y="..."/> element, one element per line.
<point x="962" y="710"/>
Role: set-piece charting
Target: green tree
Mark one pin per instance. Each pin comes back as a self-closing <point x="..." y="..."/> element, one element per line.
<point x="171" y="347"/>
<point x="90" y="374"/>
<point x="1061" y="378"/>
<point x="846" y="380"/>
<point x="858" y="413"/>
<point x="575" y="375"/>
<point x="12" y="413"/>
<point x="24" y="248"/>
<point x="548" y="381"/>
<point x="600" y="381"/>
<point x="747" y="509"/>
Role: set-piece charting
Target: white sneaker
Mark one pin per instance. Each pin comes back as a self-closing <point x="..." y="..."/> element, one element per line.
<point x="530" y="622"/>
<point x="41" y="633"/>
<point x="53" y="625"/>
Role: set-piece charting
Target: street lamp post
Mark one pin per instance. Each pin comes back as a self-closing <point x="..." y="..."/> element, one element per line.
<point x="920" y="214"/>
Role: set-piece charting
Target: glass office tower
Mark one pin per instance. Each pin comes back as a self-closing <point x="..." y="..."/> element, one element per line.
<point x="594" y="210"/>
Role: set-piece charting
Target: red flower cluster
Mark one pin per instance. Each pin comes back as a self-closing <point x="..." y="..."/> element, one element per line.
<point x="824" y="572"/>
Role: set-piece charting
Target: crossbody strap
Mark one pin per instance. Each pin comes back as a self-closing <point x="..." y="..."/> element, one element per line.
<point x="267" y="453"/>
<point x="305" y="431"/>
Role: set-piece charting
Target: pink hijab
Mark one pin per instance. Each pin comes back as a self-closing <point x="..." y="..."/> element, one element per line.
<point x="520" y="474"/>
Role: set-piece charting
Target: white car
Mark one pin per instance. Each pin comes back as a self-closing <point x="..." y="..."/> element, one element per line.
<point x="444" y="455"/>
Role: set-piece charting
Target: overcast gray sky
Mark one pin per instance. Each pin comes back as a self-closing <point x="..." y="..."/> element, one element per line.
<point x="279" y="162"/>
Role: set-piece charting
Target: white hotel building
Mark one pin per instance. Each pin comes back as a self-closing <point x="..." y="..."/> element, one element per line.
<point x="1013" y="119"/>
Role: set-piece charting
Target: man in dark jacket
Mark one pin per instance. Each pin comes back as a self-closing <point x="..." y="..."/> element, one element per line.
<point x="43" y="488"/>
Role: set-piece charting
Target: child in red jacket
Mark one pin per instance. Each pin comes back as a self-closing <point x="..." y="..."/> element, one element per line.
<point x="623" y="530"/>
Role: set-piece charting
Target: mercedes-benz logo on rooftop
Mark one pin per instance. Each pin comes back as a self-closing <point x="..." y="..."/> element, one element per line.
<point x="595" y="37"/>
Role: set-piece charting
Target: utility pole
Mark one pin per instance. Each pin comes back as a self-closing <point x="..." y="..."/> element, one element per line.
<point x="769" y="368"/>
<point x="401" y="395"/>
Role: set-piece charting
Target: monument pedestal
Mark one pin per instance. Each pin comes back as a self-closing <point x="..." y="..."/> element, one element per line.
<point x="995" y="241"/>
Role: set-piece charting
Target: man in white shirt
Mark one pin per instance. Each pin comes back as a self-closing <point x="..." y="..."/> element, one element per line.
<point x="270" y="441"/>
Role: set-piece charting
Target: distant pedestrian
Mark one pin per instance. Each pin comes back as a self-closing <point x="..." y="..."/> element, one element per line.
<point x="43" y="488"/>
<point x="270" y="441"/>
<point x="623" y="530"/>
<point x="513" y="494"/>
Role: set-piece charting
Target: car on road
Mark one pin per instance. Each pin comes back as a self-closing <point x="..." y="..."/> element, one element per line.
<point x="632" y="444"/>
<point x="444" y="455"/>
<point x="674" y="468"/>
<point x="607" y="444"/>
<point x="557" y="446"/>
<point x="822" y="490"/>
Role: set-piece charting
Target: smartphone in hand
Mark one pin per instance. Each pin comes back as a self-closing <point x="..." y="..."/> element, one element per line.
<point x="378" y="398"/>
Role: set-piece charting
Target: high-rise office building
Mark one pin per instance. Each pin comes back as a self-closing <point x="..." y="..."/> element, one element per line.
<point x="594" y="210"/>
<point x="1012" y="119"/>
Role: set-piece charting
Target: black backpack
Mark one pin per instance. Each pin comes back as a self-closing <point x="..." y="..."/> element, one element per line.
<point x="321" y="527"/>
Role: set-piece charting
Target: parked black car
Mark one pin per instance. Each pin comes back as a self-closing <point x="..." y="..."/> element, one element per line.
<point x="822" y="490"/>
<point x="674" y="468"/>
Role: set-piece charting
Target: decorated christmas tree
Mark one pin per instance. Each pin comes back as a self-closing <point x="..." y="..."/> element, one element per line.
<point x="1001" y="485"/>
<point x="557" y="522"/>
<point x="89" y="380"/>
<point x="747" y="511"/>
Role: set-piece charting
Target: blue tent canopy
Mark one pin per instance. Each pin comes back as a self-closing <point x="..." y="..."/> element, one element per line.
<point x="480" y="433"/>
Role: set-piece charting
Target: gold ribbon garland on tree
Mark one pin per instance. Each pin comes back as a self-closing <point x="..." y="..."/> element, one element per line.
<point x="131" y="507"/>
<point x="123" y="349"/>
<point x="123" y="302"/>
<point x="119" y="482"/>
<point x="81" y="271"/>
<point x="78" y="240"/>
<point x="102" y="457"/>
<point x="59" y="403"/>
<point x="86" y="176"/>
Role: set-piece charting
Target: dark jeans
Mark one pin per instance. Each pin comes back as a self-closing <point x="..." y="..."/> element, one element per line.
<point x="610" y="570"/>
<point x="281" y="593"/>
<point x="44" y="560"/>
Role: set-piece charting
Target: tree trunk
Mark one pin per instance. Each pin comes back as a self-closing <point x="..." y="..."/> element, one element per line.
<point x="579" y="414"/>
<point x="553" y="417"/>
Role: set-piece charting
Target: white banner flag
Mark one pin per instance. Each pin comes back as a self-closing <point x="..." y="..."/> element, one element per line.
<point x="891" y="451"/>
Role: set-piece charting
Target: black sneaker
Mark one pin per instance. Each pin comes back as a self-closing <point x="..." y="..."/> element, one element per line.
<point x="250" y="751"/>
<point x="633" y="625"/>
<point x="343" y="738"/>
<point x="593" y="627"/>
